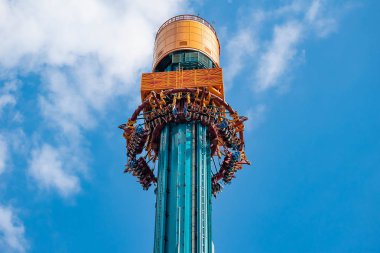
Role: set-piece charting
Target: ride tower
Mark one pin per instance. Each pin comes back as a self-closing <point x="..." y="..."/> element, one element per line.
<point x="184" y="138"/>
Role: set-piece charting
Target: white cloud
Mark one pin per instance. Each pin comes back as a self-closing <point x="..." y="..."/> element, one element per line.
<point x="47" y="167"/>
<point x="90" y="49"/>
<point x="297" y="22"/>
<point x="118" y="33"/>
<point x="238" y="48"/>
<point x="7" y="97"/>
<point x="256" y="116"/>
<point x="3" y="154"/>
<point x="317" y="18"/>
<point x="268" y="44"/>
<point x="5" y="100"/>
<point x="313" y="11"/>
<point x="12" y="142"/>
<point x="241" y="46"/>
<point x="275" y="56"/>
<point x="87" y="53"/>
<point x="281" y="51"/>
<point x="12" y="232"/>
<point x="64" y="105"/>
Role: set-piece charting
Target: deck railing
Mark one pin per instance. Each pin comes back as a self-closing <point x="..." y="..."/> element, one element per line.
<point x="186" y="17"/>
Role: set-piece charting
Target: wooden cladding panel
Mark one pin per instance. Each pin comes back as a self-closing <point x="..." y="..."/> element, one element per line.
<point x="199" y="78"/>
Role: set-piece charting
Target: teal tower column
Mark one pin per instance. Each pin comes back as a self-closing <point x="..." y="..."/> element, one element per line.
<point x="182" y="123"/>
<point x="183" y="205"/>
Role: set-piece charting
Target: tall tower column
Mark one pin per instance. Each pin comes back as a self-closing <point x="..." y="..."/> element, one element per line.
<point x="183" y="207"/>
<point x="182" y="123"/>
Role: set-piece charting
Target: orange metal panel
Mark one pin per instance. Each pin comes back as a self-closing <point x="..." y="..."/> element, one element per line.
<point x="195" y="30"/>
<point x="182" y="36"/>
<point x="212" y="79"/>
<point x="195" y="37"/>
<point x="183" y="29"/>
<point x="170" y="39"/>
<point x="198" y="35"/>
<point x="183" y="23"/>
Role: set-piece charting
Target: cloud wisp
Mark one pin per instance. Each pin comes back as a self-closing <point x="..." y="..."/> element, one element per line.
<point x="280" y="52"/>
<point x="268" y="44"/>
<point x="256" y="116"/>
<point x="86" y="54"/>
<point x="239" y="47"/>
<point x="12" y="232"/>
<point x="3" y="154"/>
<point x="7" y="96"/>
<point x="275" y="56"/>
<point x="48" y="168"/>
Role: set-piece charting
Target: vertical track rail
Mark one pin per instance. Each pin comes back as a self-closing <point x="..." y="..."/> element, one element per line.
<point x="204" y="191"/>
<point x="159" y="239"/>
<point x="194" y="212"/>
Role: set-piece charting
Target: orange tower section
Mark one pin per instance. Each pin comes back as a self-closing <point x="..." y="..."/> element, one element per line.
<point x="185" y="33"/>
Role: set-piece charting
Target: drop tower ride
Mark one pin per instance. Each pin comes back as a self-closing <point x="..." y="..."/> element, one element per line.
<point x="184" y="138"/>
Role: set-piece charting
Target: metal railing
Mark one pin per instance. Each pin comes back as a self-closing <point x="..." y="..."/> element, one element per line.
<point x="186" y="17"/>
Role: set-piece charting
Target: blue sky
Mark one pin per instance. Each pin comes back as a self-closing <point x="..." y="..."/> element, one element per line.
<point x="306" y="73"/>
